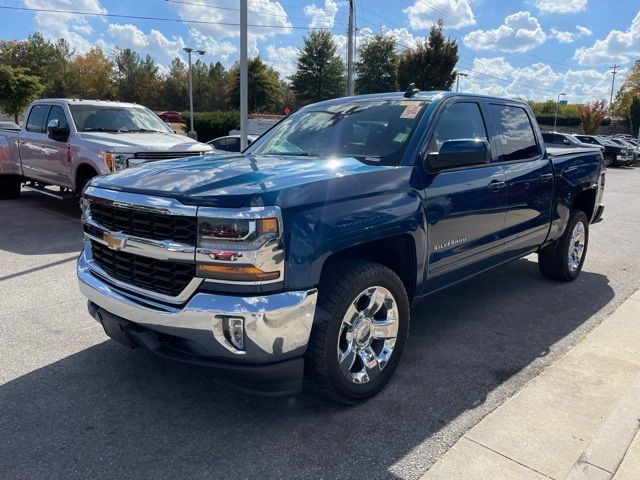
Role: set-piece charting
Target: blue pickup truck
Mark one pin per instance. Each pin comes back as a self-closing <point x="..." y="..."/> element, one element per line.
<point x="300" y="257"/>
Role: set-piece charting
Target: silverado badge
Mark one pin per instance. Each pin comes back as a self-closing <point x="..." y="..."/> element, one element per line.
<point x="115" y="241"/>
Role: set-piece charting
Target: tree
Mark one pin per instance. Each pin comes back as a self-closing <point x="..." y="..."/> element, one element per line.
<point x="217" y="85"/>
<point x="137" y="79"/>
<point x="176" y="93"/>
<point x="264" y="86"/>
<point x="17" y="90"/>
<point x="629" y="89"/>
<point x="91" y="75"/>
<point x="431" y="66"/>
<point x="592" y="114"/>
<point x="377" y="66"/>
<point x="320" y="71"/>
<point x="634" y="115"/>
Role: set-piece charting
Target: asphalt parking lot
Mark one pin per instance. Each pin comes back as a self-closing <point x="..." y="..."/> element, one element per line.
<point x="76" y="405"/>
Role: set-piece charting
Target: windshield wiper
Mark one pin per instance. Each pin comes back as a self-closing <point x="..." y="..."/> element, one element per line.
<point x="108" y="130"/>
<point x="143" y="130"/>
<point x="293" y="154"/>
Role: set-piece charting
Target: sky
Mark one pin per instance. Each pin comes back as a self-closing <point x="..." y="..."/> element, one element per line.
<point x="529" y="48"/>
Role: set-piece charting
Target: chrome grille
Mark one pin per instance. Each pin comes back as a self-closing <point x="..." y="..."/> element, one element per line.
<point x="165" y="277"/>
<point x="165" y="155"/>
<point x="140" y="223"/>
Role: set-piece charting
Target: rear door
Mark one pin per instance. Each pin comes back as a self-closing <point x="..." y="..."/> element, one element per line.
<point x="529" y="176"/>
<point x="33" y="150"/>
<point x="465" y="206"/>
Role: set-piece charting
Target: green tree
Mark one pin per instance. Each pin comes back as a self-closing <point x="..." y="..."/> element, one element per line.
<point x="377" y="67"/>
<point x="91" y="75"/>
<point x="320" y="70"/>
<point x="176" y="94"/>
<point x="137" y="79"/>
<point x="431" y="66"/>
<point x="217" y="85"/>
<point x="634" y="115"/>
<point x="17" y="90"/>
<point x="264" y="86"/>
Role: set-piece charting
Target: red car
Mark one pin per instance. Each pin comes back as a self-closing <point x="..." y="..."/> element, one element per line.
<point x="171" y="117"/>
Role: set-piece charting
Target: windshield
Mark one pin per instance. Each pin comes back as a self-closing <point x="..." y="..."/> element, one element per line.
<point x="109" y="118"/>
<point x="374" y="131"/>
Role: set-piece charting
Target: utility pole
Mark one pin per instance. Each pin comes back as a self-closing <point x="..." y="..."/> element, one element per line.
<point x="350" y="50"/>
<point x="458" y="79"/>
<point x="555" y="119"/>
<point x="192" y="132"/>
<point x="244" y="76"/>
<point x="614" y="69"/>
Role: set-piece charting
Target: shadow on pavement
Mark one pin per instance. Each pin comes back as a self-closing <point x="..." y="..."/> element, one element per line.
<point x="38" y="225"/>
<point x="109" y="412"/>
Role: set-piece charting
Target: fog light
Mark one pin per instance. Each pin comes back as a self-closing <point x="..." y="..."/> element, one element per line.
<point x="233" y="328"/>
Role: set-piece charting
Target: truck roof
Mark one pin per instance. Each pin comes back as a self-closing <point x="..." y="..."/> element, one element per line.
<point x="79" y="101"/>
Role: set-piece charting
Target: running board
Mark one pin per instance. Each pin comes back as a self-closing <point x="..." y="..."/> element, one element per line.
<point x="49" y="193"/>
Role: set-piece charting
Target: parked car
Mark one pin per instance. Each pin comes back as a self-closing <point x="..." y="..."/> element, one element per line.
<point x="304" y="253"/>
<point x="614" y="155"/>
<point x="564" y="140"/>
<point x="67" y="142"/>
<point x="170" y="117"/>
<point x="9" y="126"/>
<point x="631" y="147"/>
<point x="230" y="143"/>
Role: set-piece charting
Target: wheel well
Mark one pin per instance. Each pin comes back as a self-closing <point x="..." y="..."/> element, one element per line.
<point x="585" y="201"/>
<point x="84" y="172"/>
<point x="397" y="253"/>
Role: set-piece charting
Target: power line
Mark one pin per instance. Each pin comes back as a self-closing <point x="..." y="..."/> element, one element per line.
<point x="157" y="19"/>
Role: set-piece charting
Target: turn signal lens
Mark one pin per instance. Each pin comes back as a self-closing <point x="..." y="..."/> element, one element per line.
<point x="268" y="225"/>
<point x="109" y="159"/>
<point x="239" y="274"/>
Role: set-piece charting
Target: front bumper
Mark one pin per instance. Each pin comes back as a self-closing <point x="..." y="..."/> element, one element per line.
<point x="276" y="330"/>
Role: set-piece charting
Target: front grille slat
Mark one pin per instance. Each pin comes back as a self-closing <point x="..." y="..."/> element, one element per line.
<point x="155" y="226"/>
<point x="165" y="155"/>
<point x="167" y="278"/>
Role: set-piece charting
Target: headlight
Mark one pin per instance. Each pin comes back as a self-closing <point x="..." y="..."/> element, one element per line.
<point x="240" y="246"/>
<point x="116" y="161"/>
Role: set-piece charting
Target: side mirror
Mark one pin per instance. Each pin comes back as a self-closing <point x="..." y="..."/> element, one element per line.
<point x="56" y="132"/>
<point x="566" y="142"/>
<point x="459" y="153"/>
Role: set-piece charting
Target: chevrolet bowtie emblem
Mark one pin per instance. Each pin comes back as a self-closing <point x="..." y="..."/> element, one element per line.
<point x="115" y="241"/>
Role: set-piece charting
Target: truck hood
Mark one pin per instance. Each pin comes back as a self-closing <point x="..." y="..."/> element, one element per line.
<point x="230" y="180"/>
<point x="143" y="142"/>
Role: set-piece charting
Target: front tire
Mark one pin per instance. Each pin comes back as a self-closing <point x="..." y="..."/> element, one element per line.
<point x="564" y="258"/>
<point x="10" y="186"/>
<point x="359" y="332"/>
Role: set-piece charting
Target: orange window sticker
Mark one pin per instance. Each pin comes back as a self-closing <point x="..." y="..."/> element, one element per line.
<point x="411" y="111"/>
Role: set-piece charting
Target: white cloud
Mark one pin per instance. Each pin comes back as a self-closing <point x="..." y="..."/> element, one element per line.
<point x="219" y="50"/>
<point x="596" y="84"/>
<point x="568" y="37"/>
<point x="65" y="25"/>
<point x="282" y="59"/>
<point x="560" y="6"/>
<point x="520" y="32"/>
<point x="322" y="17"/>
<point x="154" y="43"/>
<point x="616" y="47"/>
<point x="455" y="13"/>
<point x="262" y="13"/>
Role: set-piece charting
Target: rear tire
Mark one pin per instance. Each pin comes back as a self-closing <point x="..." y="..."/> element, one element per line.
<point x="10" y="186"/>
<point x="609" y="161"/>
<point x="563" y="259"/>
<point x="359" y="331"/>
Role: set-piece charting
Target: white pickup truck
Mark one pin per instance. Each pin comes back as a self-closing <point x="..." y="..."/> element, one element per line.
<point x="65" y="143"/>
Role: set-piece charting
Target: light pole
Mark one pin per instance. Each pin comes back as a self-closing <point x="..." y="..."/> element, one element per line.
<point x="555" y="119"/>
<point x="458" y="79"/>
<point x="350" y="50"/>
<point x="192" y="132"/>
<point x="244" y="75"/>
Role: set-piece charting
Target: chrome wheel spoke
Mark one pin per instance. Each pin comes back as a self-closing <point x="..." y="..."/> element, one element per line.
<point x="370" y="361"/>
<point x="347" y="358"/>
<point x="385" y="329"/>
<point x="376" y="300"/>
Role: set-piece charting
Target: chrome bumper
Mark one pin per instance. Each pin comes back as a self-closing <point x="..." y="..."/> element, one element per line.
<point x="276" y="326"/>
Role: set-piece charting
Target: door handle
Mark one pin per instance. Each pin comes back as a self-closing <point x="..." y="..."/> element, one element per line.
<point x="497" y="185"/>
<point x="545" y="177"/>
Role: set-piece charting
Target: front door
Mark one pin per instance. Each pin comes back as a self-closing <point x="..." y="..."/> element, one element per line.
<point x="465" y="207"/>
<point x="57" y="161"/>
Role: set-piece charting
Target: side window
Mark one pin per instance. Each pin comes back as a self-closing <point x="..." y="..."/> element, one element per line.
<point x="460" y="121"/>
<point x="35" y="122"/>
<point x="220" y="144"/>
<point x="515" y="133"/>
<point x="233" y="144"/>
<point x="57" y="113"/>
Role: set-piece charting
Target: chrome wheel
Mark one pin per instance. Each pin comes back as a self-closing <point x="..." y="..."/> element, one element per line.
<point x="576" y="246"/>
<point x="368" y="334"/>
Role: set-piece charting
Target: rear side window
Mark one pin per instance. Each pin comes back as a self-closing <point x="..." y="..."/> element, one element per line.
<point x="220" y="144"/>
<point x="57" y="113"/>
<point x="460" y="121"/>
<point x="233" y="144"/>
<point x="35" y="122"/>
<point x="515" y="133"/>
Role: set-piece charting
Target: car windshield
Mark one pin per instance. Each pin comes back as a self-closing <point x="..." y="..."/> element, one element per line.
<point x="109" y="118"/>
<point x="373" y="131"/>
